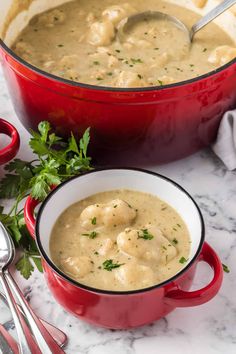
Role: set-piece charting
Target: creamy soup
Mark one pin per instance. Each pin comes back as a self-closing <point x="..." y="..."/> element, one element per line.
<point x="78" y="41"/>
<point x="120" y="240"/>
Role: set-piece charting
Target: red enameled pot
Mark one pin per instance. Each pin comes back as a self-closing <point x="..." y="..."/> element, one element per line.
<point x="9" y="151"/>
<point x="128" y="126"/>
<point x="113" y="309"/>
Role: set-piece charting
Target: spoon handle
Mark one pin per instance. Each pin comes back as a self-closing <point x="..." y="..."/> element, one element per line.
<point x="24" y="347"/>
<point x="44" y="340"/>
<point x="59" y="336"/>
<point x="222" y="7"/>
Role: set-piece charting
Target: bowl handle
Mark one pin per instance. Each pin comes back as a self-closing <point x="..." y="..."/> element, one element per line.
<point x="10" y="151"/>
<point x="180" y="298"/>
<point x="29" y="208"/>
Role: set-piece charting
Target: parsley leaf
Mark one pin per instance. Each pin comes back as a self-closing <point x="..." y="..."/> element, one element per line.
<point x="56" y="160"/>
<point x="24" y="266"/>
<point x="109" y="265"/>
<point x="145" y="235"/>
<point x="225" y="268"/>
<point x="94" y="221"/>
<point x="92" y="234"/>
<point x="182" y="260"/>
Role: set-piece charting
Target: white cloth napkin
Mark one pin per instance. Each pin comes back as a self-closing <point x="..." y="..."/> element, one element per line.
<point x="225" y="144"/>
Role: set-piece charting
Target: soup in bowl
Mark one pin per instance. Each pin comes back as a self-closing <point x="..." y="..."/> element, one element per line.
<point x="135" y="272"/>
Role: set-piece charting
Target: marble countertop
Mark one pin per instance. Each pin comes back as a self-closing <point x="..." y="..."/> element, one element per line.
<point x="206" y="329"/>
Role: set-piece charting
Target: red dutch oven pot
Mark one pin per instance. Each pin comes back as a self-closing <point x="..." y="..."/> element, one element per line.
<point x="115" y="309"/>
<point x="128" y="126"/>
<point x="10" y="151"/>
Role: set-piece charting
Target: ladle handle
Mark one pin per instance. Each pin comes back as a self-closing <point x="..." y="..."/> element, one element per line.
<point x="225" y="5"/>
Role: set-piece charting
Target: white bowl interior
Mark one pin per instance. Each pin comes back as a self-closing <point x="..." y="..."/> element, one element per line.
<point x="16" y="14"/>
<point x="106" y="180"/>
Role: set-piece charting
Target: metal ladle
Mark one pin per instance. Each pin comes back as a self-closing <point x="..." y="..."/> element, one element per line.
<point x="130" y="21"/>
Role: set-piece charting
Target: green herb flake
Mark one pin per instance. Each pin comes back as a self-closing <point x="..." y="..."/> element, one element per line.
<point x="136" y="61"/>
<point x="92" y="234"/>
<point x="156" y="48"/>
<point x="164" y="248"/>
<point x="109" y="74"/>
<point x="96" y="252"/>
<point x="140" y="76"/>
<point x="99" y="78"/>
<point x="117" y="50"/>
<point x="182" y="260"/>
<point x="96" y="62"/>
<point x="160" y="82"/>
<point x="145" y="235"/>
<point x="225" y="268"/>
<point x="60" y="45"/>
<point x="109" y="265"/>
<point x="175" y="241"/>
<point x="204" y="50"/>
<point x="94" y="221"/>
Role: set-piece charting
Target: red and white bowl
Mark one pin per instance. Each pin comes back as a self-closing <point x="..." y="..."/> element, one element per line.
<point x="116" y="309"/>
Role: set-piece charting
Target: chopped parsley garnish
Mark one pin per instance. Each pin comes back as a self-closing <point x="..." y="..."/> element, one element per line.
<point x="191" y="65"/>
<point x="178" y="225"/>
<point x="136" y="61"/>
<point x="204" y="50"/>
<point x="94" y="221"/>
<point x="140" y="76"/>
<point x="96" y="252"/>
<point x="92" y="234"/>
<point x="109" y="74"/>
<point x="160" y="82"/>
<point x="156" y="48"/>
<point x="174" y="229"/>
<point x="117" y="50"/>
<point x="109" y="265"/>
<point x="183" y="260"/>
<point x="164" y="248"/>
<point x="99" y="78"/>
<point x="175" y="241"/>
<point x="225" y="268"/>
<point x="60" y="45"/>
<point x="115" y="206"/>
<point x="145" y="235"/>
<point x="96" y="62"/>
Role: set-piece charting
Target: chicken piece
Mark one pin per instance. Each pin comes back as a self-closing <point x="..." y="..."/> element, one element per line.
<point x="133" y="274"/>
<point x="116" y="212"/>
<point x="129" y="79"/>
<point x="116" y="13"/>
<point x="52" y="18"/>
<point x="148" y="244"/>
<point x="112" y="61"/>
<point x="165" y="80"/>
<point x="77" y="266"/>
<point x="222" y="55"/>
<point x="106" y="247"/>
<point x="101" y="33"/>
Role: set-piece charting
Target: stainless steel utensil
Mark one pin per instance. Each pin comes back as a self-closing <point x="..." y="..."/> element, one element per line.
<point x="6" y="257"/>
<point x="59" y="336"/>
<point x="130" y="21"/>
<point x="45" y="342"/>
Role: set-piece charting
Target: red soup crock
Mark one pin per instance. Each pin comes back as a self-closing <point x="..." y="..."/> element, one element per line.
<point x="126" y="309"/>
<point x="9" y="152"/>
<point x="128" y="126"/>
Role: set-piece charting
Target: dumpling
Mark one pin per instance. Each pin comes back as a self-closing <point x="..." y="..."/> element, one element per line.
<point x="148" y="244"/>
<point x="101" y="33"/>
<point x="116" y="13"/>
<point x="77" y="266"/>
<point x="133" y="275"/>
<point x="116" y="212"/>
<point x="222" y="55"/>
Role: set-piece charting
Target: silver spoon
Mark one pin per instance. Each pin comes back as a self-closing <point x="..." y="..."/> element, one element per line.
<point x="128" y="22"/>
<point x="6" y="258"/>
<point x="59" y="336"/>
<point x="45" y="342"/>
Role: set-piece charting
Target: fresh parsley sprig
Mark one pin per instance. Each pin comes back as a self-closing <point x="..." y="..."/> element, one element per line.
<point x="56" y="161"/>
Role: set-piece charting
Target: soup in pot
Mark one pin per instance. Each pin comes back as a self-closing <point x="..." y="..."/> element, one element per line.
<point x="78" y="41"/>
<point x="120" y="240"/>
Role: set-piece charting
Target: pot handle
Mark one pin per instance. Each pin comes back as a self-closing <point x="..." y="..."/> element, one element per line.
<point x="10" y="151"/>
<point x="29" y="208"/>
<point x="180" y="298"/>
